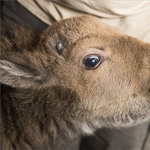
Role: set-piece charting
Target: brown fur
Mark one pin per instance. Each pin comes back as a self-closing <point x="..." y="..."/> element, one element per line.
<point x="49" y="97"/>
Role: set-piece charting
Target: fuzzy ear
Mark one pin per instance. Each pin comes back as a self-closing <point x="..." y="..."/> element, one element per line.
<point x="19" y="76"/>
<point x="20" y="67"/>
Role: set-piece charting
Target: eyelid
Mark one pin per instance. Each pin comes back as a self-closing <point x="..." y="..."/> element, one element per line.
<point x="98" y="48"/>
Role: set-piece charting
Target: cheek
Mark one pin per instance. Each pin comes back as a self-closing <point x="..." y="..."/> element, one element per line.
<point x="112" y="94"/>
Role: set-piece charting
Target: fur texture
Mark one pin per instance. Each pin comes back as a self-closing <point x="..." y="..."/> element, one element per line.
<point x="50" y="97"/>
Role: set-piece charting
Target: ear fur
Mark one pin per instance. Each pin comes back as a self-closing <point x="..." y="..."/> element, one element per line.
<point x="19" y="67"/>
<point x="19" y="76"/>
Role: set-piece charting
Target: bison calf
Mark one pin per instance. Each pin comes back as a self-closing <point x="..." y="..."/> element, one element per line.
<point x="78" y="75"/>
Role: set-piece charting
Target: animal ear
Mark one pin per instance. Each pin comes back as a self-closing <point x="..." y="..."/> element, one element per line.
<point x="20" y="76"/>
<point x="20" y="66"/>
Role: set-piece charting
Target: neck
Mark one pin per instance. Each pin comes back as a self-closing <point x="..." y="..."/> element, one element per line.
<point x="36" y="117"/>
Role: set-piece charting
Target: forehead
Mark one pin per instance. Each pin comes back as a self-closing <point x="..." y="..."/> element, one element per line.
<point x="76" y="28"/>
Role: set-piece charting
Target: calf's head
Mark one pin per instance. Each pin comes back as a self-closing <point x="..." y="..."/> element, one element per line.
<point x="98" y="73"/>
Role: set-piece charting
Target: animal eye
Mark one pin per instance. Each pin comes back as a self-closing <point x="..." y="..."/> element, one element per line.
<point x="59" y="48"/>
<point x="92" y="62"/>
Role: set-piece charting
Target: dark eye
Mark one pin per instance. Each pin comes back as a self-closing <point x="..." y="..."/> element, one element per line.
<point x="59" y="48"/>
<point x="92" y="61"/>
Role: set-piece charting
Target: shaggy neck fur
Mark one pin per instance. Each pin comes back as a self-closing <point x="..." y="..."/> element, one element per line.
<point x="32" y="116"/>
